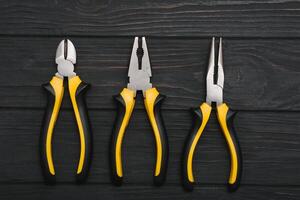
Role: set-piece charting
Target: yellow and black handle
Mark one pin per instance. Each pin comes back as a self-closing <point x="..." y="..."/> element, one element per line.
<point x="125" y="104"/>
<point x="126" y="101"/>
<point x="55" y="91"/>
<point x="77" y="90"/>
<point x="201" y="117"/>
<point x="153" y="100"/>
<point x="225" y="117"/>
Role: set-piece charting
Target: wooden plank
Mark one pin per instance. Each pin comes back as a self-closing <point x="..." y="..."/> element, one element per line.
<point x="261" y="49"/>
<point x="259" y="74"/>
<point x="267" y="18"/>
<point x="269" y="140"/>
<point x="87" y="191"/>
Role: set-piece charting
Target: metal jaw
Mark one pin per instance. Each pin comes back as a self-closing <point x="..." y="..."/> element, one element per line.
<point x="65" y="59"/>
<point x="139" y="79"/>
<point x="215" y="91"/>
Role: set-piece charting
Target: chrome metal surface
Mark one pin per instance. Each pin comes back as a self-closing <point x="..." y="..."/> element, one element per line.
<point x="139" y="79"/>
<point x="215" y="91"/>
<point x="65" y="59"/>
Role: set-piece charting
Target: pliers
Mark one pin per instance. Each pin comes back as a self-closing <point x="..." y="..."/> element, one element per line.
<point x="139" y="80"/>
<point x="65" y="59"/>
<point x="225" y="117"/>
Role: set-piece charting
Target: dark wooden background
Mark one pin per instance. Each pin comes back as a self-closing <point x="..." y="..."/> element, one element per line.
<point x="262" y="68"/>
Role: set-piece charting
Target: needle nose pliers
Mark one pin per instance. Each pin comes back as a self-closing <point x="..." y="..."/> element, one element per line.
<point x="65" y="59"/>
<point x="139" y="80"/>
<point x="225" y="118"/>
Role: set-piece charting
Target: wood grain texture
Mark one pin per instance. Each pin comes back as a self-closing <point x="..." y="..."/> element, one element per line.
<point x="259" y="74"/>
<point x="270" y="150"/>
<point x="261" y="57"/>
<point x="38" y="191"/>
<point x="252" y="18"/>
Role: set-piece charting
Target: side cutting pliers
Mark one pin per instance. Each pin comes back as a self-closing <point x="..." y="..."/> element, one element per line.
<point x="139" y="80"/>
<point x="65" y="59"/>
<point x="225" y="117"/>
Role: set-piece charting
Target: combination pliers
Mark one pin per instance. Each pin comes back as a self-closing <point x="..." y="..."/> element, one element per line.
<point x="139" y="80"/>
<point x="225" y="117"/>
<point x="65" y="59"/>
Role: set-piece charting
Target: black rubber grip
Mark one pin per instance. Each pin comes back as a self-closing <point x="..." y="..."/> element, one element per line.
<point x="49" y="178"/>
<point x="84" y="117"/>
<point x="229" y="119"/>
<point x="197" y="119"/>
<point x="121" y="108"/>
<point x="161" y="178"/>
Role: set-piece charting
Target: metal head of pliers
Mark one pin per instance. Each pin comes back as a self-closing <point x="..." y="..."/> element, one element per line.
<point x="215" y="91"/>
<point x="225" y="117"/>
<point x="139" y="80"/>
<point x="65" y="59"/>
<point x="139" y="72"/>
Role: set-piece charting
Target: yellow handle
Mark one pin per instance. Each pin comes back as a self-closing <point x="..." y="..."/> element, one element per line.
<point x="152" y="103"/>
<point x="73" y="85"/>
<point x="231" y="142"/>
<point x="205" y="111"/>
<point x="128" y="98"/>
<point x="150" y="96"/>
<point x="57" y="86"/>
<point x="77" y="90"/>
